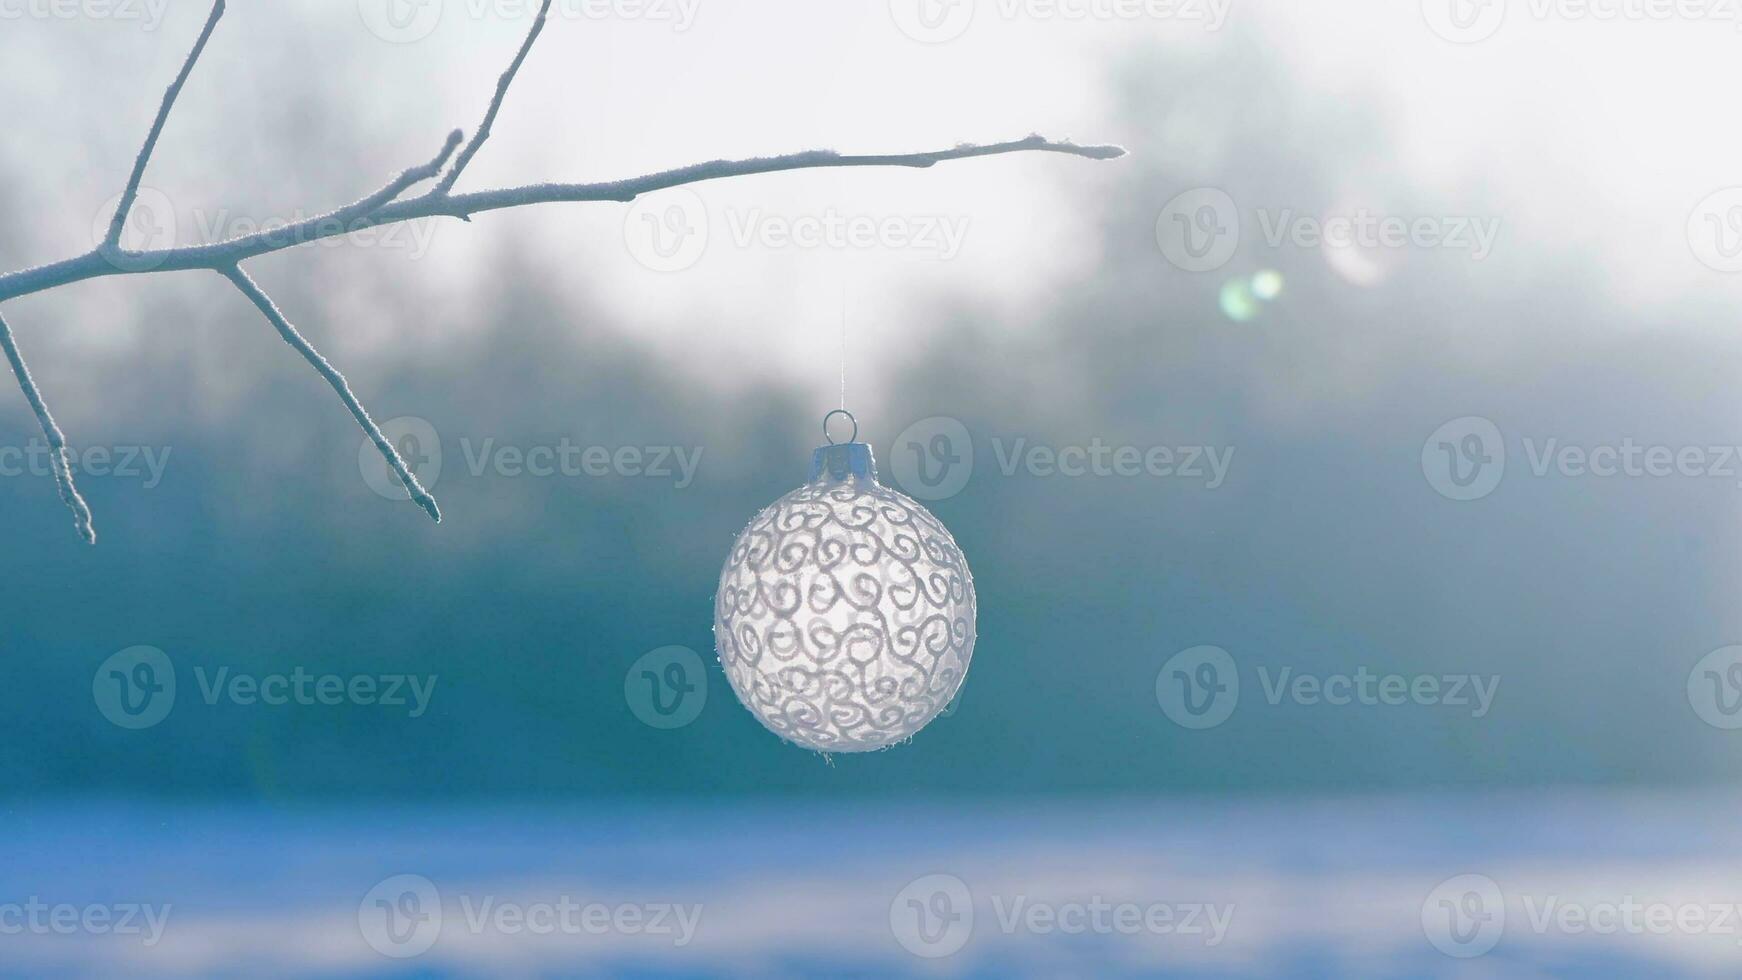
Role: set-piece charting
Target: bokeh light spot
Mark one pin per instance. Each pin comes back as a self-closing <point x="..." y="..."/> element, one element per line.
<point x="1267" y="285"/>
<point x="1238" y="303"/>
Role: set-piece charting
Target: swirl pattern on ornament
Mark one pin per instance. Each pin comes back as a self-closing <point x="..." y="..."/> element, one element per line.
<point x="845" y="617"/>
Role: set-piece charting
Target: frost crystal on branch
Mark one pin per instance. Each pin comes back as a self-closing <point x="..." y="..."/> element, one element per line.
<point x="389" y="206"/>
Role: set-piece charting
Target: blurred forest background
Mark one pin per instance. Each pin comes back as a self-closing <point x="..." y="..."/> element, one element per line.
<point x="1059" y="321"/>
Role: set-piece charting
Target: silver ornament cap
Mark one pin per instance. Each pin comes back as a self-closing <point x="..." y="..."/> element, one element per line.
<point x="847" y="462"/>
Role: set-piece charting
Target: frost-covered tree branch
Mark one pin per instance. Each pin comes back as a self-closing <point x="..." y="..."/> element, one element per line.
<point x="502" y="84"/>
<point x="128" y="195"/>
<point x="333" y="377"/>
<point x="57" y="443"/>
<point x="386" y="206"/>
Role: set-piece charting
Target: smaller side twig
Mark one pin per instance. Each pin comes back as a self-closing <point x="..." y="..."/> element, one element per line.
<point x="502" y="84"/>
<point x="117" y="223"/>
<point x="57" y="443"/>
<point x="395" y="187"/>
<point x="296" y="340"/>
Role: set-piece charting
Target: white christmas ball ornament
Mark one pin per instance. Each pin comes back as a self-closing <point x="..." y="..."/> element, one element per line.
<point x="845" y="614"/>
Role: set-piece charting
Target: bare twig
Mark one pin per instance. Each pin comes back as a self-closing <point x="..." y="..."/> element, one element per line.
<point x="502" y="84"/>
<point x="325" y="368"/>
<point x="57" y="443"/>
<point x="132" y="191"/>
<point x="395" y="187"/>
<point x="219" y="254"/>
<point x="387" y="206"/>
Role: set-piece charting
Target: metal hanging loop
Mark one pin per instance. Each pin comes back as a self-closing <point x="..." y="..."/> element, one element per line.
<point x="840" y="411"/>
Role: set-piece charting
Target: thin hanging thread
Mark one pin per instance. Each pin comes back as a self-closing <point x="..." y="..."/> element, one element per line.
<point x="843" y="345"/>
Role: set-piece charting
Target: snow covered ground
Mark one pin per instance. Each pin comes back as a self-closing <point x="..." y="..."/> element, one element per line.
<point x="1582" y="883"/>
